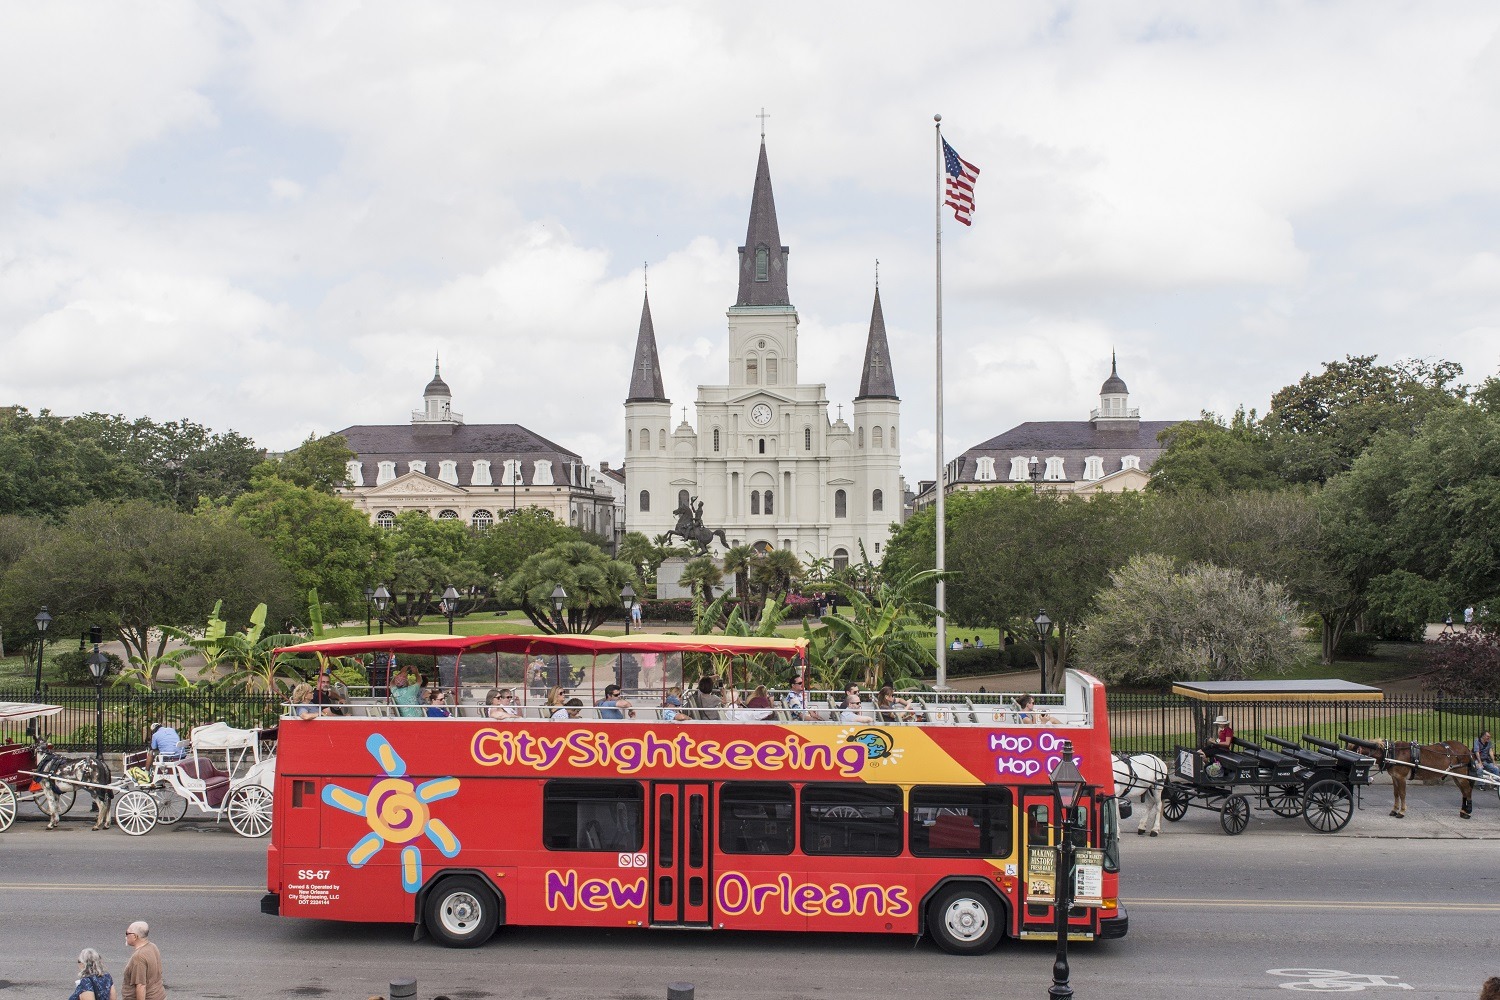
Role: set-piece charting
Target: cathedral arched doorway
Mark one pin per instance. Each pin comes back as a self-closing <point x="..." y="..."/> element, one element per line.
<point x="762" y="547"/>
<point x="840" y="559"/>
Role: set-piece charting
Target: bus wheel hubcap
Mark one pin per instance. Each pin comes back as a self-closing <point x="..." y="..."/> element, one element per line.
<point x="460" y="912"/>
<point x="967" y="920"/>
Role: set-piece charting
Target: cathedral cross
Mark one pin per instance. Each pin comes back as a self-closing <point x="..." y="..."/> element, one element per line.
<point x="646" y="366"/>
<point x="762" y="116"/>
<point x="877" y="364"/>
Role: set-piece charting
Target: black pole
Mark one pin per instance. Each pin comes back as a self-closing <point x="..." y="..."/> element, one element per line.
<point x="1060" y="989"/>
<point x="98" y="706"/>
<point x="367" y="616"/>
<point x="450" y="620"/>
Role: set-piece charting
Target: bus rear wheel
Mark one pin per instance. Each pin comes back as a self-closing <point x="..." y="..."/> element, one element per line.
<point x="462" y="912"/>
<point x="965" y="920"/>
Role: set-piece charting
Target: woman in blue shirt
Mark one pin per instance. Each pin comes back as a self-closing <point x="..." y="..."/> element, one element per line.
<point x="93" y="982"/>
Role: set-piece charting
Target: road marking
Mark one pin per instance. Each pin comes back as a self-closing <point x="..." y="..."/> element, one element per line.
<point x="70" y="887"/>
<point x="1334" y="981"/>
<point x="1315" y="904"/>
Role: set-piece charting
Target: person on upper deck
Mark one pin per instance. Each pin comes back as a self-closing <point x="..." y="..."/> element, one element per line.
<point x="851" y="691"/>
<point x="1026" y="712"/>
<point x="850" y="715"/>
<point x="701" y="702"/>
<point x="436" y="706"/>
<point x="671" y="704"/>
<point x="612" y="706"/>
<point x="796" y="701"/>
<point x="302" y="703"/>
<point x="500" y="704"/>
<point x="758" y="706"/>
<point x="406" y="692"/>
<point x="889" y="708"/>
<point x="568" y="710"/>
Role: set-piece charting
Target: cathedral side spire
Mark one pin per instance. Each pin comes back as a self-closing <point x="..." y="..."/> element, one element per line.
<point x="763" y="258"/>
<point x="877" y="380"/>
<point x="645" y="370"/>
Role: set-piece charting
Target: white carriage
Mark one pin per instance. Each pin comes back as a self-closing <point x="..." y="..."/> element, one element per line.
<point x="223" y="772"/>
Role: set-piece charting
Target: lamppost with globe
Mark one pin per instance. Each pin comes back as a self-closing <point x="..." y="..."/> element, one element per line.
<point x="559" y="598"/>
<point x="627" y="598"/>
<point x="449" y="604"/>
<point x="1067" y="788"/>
<point x="1043" y="626"/>
<point x="98" y="666"/>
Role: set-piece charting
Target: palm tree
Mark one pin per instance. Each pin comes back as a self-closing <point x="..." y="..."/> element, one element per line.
<point x="817" y="567"/>
<point x="886" y="633"/>
<point x="702" y="575"/>
<point x="738" y="560"/>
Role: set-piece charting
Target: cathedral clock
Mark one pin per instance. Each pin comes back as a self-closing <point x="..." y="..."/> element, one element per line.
<point x="760" y="414"/>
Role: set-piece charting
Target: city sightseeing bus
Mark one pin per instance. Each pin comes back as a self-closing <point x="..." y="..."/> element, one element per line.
<point x="753" y="820"/>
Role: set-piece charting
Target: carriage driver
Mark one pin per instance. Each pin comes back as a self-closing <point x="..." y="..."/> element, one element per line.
<point x="164" y="743"/>
<point x="1484" y="755"/>
<point x="1222" y="738"/>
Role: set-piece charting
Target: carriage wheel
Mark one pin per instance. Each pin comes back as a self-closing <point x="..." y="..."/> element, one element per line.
<point x="170" y="807"/>
<point x="1285" y="800"/>
<point x="1330" y="806"/>
<point x="250" y="810"/>
<point x="135" y="813"/>
<point x="7" y="807"/>
<point x="1234" y="815"/>
<point x="1174" y="801"/>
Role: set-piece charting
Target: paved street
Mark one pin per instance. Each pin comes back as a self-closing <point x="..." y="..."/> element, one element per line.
<point x="1210" y="916"/>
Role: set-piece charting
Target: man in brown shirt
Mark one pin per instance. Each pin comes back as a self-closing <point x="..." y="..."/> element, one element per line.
<point x="142" y="979"/>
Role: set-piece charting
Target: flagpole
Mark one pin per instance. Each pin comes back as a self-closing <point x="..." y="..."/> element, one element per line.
<point x="940" y="561"/>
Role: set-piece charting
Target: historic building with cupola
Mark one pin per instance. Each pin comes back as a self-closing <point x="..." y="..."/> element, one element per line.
<point x="762" y="453"/>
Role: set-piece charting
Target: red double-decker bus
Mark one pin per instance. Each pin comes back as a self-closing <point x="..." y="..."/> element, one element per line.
<point x="802" y="816"/>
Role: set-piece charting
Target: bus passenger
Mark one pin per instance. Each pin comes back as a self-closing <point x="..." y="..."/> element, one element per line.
<point x="500" y="704"/>
<point x="436" y="707"/>
<point x="756" y="708"/>
<point x="852" y="691"/>
<point x="701" y="702"/>
<point x="612" y="706"/>
<point x="889" y="708"/>
<point x="796" y="700"/>
<point x="1026" y="712"/>
<point x="555" y="697"/>
<point x="569" y="709"/>
<point x="851" y="713"/>
<point x="302" y="706"/>
<point x="671" y="704"/>
<point x="406" y="693"/>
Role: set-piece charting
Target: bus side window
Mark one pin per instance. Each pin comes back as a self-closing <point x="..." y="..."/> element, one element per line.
<point x="593" y="816"/>
<point x="1037" y="828"/>
<point x="756" y="818"/>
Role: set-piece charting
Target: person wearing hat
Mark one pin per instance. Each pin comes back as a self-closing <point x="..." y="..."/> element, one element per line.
<point x="1223" y="737"/>
<point x="164" y="744"/>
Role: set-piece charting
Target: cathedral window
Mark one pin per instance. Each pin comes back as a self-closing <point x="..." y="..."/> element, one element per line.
<point x="682" y="498"/>
<point x="840" y="560"/>
<point x="762" y="264"/>
<point x="447" y="515"/>
<point x="984" y="469"/>
<point x="354" y="473"/>
<point x="807" y="439"/>
<point x="860" y="434"/>
<point x="755" y="501"/>
<point x="840" y="504"/>
<point x="716" y="439"/>
<point x="386" y="519"/>
<point x="661" y="439"/>
<point x="386" y="471"/>
<point x="1093" y="467"/>
<point x="1020" y="469"/>
<point x="877" y="436"/>
<point x="417" y="465"/>
<point x="771" y="370"/>
<point x="877" y="500"/>
<point x="645" y="501"/>
<point x="761" y="446"/>
<point x="481" y="474"/>
<point x="645" y="439"/>
<point x="893" y="435"/>
<point x="448" y="471"/>
<point x="1054" y="471"/>
<point x="483" y="521"/>
<point x="770" y="508"/>
<point x="1130" y="462"/>
<point x="752" y="371"/>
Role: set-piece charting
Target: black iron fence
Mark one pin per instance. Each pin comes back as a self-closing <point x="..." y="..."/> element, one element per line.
<point x="1154" y="723"/>
<point x="129" y="712"/>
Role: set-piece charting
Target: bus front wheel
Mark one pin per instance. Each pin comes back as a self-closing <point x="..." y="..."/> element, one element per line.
<point x="462" y="912"/>
<point x="965" y="920"/>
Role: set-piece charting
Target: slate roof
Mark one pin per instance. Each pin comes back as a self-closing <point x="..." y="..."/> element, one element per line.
<point x="645" y="370"/>
<point x="1071" y="440"/>
<point x="877" y="380"/>
<point x="763" y="231"/>
<point x="495" y="442"/>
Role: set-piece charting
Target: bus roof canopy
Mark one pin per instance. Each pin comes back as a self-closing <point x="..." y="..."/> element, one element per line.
<point x="1327" y="689"/>
<point x="565" y="644"/>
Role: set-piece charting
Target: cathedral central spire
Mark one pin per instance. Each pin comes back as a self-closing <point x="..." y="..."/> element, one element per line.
<point x="763" y="258"/>
<point x="645" y="372"/>
<point x="877" y="381"/>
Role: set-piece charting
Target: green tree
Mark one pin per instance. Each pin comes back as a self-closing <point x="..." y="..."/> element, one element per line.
<point x="1157" y="623"/>
<point x="886" y="636"/>
<point x="516" y="536"/>
<point x="135" y="566"/>
<point x="1212" y="456"/>
<point x="701" y="576"/>
<point x="591" y="580"/>
<point x="1326" y="420"/>
<point x="321" y="540"/>
<point x="738" y="560"/>
<point x="319" y="463"/>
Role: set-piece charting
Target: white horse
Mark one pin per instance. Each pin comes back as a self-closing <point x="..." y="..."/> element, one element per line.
<point x="1147" y="774"/>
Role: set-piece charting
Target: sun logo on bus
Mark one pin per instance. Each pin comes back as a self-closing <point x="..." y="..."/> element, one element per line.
<point x="397" y="813"/>
<point x="880" y="748"/>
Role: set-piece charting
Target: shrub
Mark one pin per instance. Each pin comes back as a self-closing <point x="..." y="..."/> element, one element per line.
<point x="73" y="668"/>
<point x="1356" y="644"/>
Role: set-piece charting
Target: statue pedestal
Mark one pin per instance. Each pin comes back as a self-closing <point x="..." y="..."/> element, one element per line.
<point x="669" y="581"/>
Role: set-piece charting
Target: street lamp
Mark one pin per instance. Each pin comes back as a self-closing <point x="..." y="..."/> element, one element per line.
<point x="43" y="619"/>
<point x="559" y="598"/>
<point x="382" y="601"/>
<point x="1034" y="470"/>
<point x="1067" y="786"/>
<point x="98" y="666"/>
<point x="449" y="604"/>
<point x="627" y="598"/>
<point x="1043" y="633"/>
<point x="369" y="596"/>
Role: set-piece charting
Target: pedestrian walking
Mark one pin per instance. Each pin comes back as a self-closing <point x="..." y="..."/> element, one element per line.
<point x="143" y="975"/>
<point x="93" y="982"/>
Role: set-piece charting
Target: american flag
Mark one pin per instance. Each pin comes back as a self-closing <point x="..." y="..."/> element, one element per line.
<point x="960" y="188"/>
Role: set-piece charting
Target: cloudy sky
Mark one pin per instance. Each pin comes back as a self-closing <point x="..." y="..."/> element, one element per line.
<point x="270" y="216"/>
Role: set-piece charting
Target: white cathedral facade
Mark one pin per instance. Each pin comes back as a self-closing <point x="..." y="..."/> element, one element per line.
<point x="764" y="459"/>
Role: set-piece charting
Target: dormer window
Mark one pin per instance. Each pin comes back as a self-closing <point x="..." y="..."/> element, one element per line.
<point x="481" y="474"/>
<point x="417" y="465"/>
<point x="385" y="472"/>
<point x="1093" y="468"/>
<point x="448" y="471"/>
<point x="1020" y="469"/>
<point x="354" y="473"/>
<point x="1054" y="469"/>
<point x="984" y="469"/>
<point x="762" y="264"/>
<point x="1130" y="462"/>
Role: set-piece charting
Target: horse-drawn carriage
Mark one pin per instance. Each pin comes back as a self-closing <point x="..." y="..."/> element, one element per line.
<point x="223" y="772"/>
<point x="1316" y="782"/>
<point x="19" y="763"/>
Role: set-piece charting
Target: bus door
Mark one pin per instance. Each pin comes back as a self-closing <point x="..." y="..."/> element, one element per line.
<point x="1039" y="826"/>
<point x="681" y="827"/>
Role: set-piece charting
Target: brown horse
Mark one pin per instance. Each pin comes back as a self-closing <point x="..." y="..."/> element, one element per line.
<point x="1405" y="759"/>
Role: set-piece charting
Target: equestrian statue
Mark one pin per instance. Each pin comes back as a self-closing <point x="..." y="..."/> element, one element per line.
<point x="691" y="530"/>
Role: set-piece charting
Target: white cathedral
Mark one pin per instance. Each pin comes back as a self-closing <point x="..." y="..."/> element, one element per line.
<point x="766" y="462"/>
